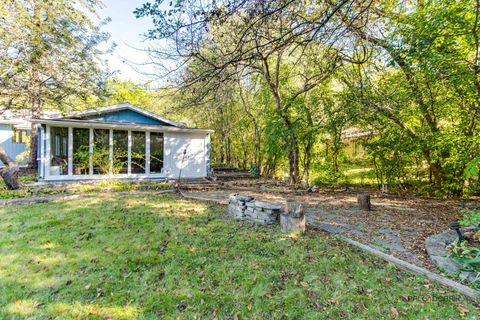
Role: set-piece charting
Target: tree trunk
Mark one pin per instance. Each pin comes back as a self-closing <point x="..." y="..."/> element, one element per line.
<point x="258" y="150"/>
<point x="363" y="201"/>
<point x="9" y="173"/>
<point x="435" y="169"/>
<point x="293" y="160"/>
<point x="36" y="113"/>
<point x="229" y="152"/>
<point x="222" y="148"/>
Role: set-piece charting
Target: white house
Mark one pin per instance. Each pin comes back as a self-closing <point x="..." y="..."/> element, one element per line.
<point x="15" y="134"/>
<point x="120" y="141"/>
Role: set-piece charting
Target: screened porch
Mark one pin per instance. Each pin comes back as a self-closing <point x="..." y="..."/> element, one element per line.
<point x="72" y="153"/>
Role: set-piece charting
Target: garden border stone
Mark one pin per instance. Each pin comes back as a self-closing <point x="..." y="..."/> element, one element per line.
<point x="436" y="247"/>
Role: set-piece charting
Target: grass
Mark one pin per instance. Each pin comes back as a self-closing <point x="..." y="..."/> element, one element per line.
<point x="150" y="257"/>
<point x="109" y="185"/>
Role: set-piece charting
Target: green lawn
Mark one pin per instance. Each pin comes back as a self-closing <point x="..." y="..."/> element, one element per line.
<point x="151" y="257"/>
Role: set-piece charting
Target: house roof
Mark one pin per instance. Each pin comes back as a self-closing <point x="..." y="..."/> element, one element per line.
<point x="114" y="108"/>
<point x="88" y="118"/>
<point x="21" y="119"/>
<point x="119" y="125"/>
<point x="18" y="118"/>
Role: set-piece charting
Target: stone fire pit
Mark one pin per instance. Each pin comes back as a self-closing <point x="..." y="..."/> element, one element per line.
<point x="247" y="208"/>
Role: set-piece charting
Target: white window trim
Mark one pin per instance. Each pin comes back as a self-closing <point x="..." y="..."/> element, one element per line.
<point x="47" y="156"/>
<point x="147" y="152"/>
<point x="70" y="151"/>
<point x="48" y="153"/>
<point x="90" y="151"/>
<point x="42" y="152"/>
<point x="110" y="152"/>
<point x="129" y="153"/>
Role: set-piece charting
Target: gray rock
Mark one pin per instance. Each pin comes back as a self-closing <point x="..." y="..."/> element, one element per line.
<point x="389" y="244"/>
<point x="436" y="244"/>
<point x="436" y="247"/>
<point x="264" y="216"/>
<point x="446" y="264"/>
<point x="469" y="276"/>
<point x="244" y="198"/>
<point x="266" y="205"/>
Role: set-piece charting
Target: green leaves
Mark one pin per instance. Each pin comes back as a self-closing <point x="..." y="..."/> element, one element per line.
<point x="472" y="169"/>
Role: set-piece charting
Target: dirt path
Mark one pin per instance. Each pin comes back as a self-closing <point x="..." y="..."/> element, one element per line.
<point x="398" y="226"/>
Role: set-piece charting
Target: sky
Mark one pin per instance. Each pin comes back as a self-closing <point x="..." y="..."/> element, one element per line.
<point x="126" y="32"/>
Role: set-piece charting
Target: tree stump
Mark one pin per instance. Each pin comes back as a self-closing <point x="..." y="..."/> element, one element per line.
<point x="293" y="219"/>
<point x="10" y="177"/>
<point x="363" y="201"/>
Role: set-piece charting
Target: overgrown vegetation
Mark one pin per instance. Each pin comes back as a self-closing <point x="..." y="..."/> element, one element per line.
<point x="282" y="81"/>
<point x="150" y="257"/>
<point x="467" y="252"/>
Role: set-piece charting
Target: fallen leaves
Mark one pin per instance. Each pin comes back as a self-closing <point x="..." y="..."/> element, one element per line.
<point x="463" y="310"/>
<point x="394" y="312"/>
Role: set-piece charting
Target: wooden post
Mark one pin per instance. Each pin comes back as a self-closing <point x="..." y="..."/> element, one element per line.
<point x="363" y="201"/>
<point x="293" y="219"/>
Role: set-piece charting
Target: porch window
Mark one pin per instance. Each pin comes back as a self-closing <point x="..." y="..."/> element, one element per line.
<point x="59" y="150"/>
<point x="138" y="152"/>
<point x="101" y="151"/>
<point x="81" y="152"/>
<point x="156" y="152"/>
<point x="104" y="152"/>
<point x="120" y="152"/>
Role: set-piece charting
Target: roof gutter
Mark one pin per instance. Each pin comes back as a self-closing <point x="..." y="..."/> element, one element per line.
<point x="120" y="126"/>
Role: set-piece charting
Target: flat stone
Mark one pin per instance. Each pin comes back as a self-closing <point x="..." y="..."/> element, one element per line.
<point x="389" y="244"/>
<point x="469" y="276"/>
<point x="327" y="227"/>
<point x="446" y="264"/>
<point x="436" y="244"/>
<point x="436" y="247"/>
<point x="244" y="198"/>
<point x="261" y="215"/>
<point x="266" y="205"/>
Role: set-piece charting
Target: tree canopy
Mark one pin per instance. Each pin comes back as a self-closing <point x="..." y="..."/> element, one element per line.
<point x="282" y="81"/>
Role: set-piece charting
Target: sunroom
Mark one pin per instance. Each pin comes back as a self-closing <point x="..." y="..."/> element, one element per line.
<point x="121" y="141"/>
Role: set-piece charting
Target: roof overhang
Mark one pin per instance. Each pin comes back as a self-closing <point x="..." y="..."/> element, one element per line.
<point x="18" y="124"/>
<point x="117" y="125"/>
<point x="117" y="107"/>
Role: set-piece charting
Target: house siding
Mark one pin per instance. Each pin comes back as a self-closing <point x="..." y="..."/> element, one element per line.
<point x="6" y="141"/>
<point x="125" y="116"/>
<point x="194" y="164"/>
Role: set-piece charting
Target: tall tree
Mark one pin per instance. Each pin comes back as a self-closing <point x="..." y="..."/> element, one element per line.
<point x="49" y="53"/>
<point x="424" y="79"/>
<point x="255" y="37"/>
